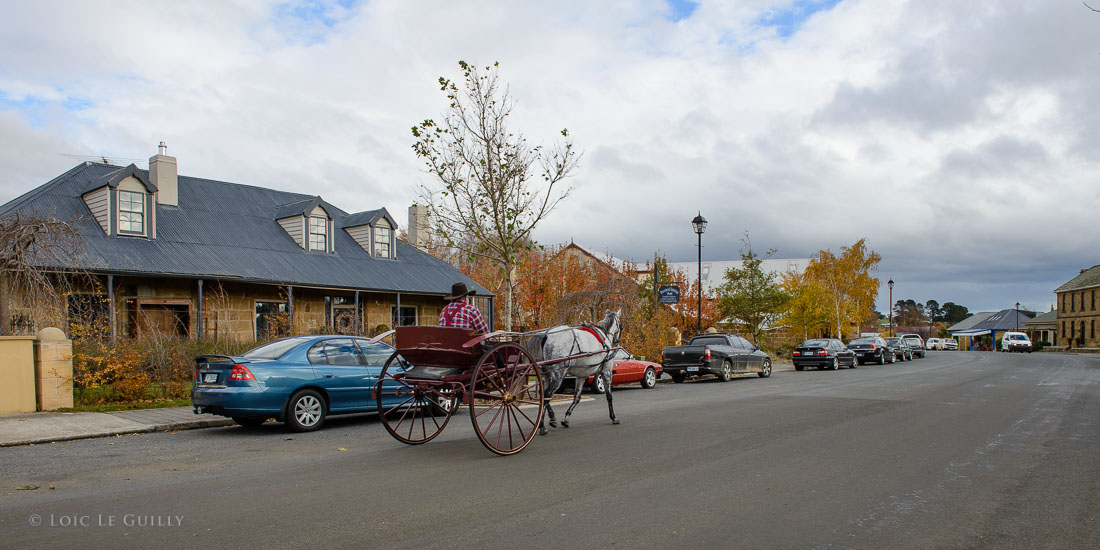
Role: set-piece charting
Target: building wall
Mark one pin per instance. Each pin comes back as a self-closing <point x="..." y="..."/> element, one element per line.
<point x="1079" y="318"/>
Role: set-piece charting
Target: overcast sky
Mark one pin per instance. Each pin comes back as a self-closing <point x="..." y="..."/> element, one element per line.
<point x="958" y="137"/>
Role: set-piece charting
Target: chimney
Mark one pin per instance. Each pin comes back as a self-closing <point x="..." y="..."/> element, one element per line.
<point x="418" y="225"/>
<point x="163" y="174"/>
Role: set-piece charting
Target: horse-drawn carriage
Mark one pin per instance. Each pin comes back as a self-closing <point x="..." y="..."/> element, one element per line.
<point x="504" y="378"/>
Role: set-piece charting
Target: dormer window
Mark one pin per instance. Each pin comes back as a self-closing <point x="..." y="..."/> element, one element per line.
<point x="382" y="242"/>
<point x="131" y="212"/>
<point x="318" y="233"/>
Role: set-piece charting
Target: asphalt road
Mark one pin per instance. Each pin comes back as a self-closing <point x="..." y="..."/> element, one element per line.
<point x="958" y="450"/>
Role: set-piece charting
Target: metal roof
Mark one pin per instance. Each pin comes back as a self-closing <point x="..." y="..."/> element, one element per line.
<point x="1006" y="319"/>
<point x="229" y="231"/>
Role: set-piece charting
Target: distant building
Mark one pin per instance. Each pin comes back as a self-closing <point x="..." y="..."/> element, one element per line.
<point x="714" y="272"/>
<point x="196" y="257"/>
<point x="1077" y="309"/>
<point x="982" y="331"/>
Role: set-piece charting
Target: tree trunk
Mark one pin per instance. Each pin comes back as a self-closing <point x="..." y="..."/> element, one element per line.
<point x="508" y="297"/>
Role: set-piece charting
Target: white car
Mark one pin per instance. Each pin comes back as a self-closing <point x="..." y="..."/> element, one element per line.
<point x="1015" y="341"/>
<point x="933" y="343"/>
<point x="950" y="344"/>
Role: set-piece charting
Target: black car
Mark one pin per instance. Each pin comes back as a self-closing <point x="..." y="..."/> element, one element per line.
<point x="823" y="353"/>
<point x="902" y="351"/>
<point x="871" y="348"/>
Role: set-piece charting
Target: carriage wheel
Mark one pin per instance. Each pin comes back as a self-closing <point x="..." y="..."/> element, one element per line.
<point x="412" y="411"/>
<point x="506" y="398"/>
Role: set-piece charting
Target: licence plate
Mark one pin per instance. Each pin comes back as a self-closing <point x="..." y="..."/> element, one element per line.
<point x="693" y="369"/>
<point x="209" y="377"/>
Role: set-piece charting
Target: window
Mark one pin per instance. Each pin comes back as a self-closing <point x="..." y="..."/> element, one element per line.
<point x="382" y="242"/>
<point x="1073" y="302"/>
<point x="334" y="352"/>
<point x="1064" y="304"/>
<point x="406" y="317"/>
<point x="131" y="212"/>
<point x="272" y="320"/>
<point x="1094" y="300"/>
<point x="318" y="233"/>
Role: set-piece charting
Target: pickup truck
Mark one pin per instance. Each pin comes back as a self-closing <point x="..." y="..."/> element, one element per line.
<point x="717" y="353"/>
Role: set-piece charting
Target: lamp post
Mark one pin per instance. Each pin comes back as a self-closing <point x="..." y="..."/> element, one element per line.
<point x="1017" y="316"/>
<point x="890" y="284"/>
<point x="699" y="224"/>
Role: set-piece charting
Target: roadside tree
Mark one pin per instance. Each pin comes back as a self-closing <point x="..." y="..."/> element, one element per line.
<point x="483" y="200"/>
<point x="751" y="295"/>
<point x="847" y="281"/>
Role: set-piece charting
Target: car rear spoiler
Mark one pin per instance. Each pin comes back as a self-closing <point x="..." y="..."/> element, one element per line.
<point x="214" y="358"/>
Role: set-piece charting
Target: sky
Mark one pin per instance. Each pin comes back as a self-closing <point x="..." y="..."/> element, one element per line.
<point x="959" y="138"/>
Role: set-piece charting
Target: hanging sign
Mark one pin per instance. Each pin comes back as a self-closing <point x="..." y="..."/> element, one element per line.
<point x="668" y="294"/>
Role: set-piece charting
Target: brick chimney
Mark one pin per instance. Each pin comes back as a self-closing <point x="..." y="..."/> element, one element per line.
<point x="163" y="174"/>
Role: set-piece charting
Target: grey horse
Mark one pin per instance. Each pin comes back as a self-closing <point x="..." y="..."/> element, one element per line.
<point x="564" y="341"/>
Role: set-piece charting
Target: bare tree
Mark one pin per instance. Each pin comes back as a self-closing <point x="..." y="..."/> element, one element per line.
<point x="37" y="265"/>
<point x="483" y="201"/>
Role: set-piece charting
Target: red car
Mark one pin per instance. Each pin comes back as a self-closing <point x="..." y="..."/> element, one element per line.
<point x="627" y="370"/>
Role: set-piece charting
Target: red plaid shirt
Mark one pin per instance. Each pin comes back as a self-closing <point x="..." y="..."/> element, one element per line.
<point x="462" y="315"/>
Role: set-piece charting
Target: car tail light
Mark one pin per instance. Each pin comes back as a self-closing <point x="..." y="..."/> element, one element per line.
<point x="706" y="354"/>
<point x="873" y="348"/>
<point x="196" y="372"/>
<point x="822" y="352"/>
<point x="241" y="372"/>
<point x="795" y="353"/>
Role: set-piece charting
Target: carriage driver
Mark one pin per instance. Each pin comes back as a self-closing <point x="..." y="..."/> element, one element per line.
<point x="459" y="313"/>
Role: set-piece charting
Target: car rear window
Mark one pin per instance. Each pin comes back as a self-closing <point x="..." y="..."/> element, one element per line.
<point x="862" y="341"/>
<point x="274" y="349"/>
<point x="710" y="341"/>
<point x="815" y="343"/>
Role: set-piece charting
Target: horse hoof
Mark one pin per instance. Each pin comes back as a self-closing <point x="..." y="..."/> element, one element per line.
<point x="564" y="424"/>
<point x="543" y="431"/>
<point x="614" y="421"/>
<point x="553" y="424"/>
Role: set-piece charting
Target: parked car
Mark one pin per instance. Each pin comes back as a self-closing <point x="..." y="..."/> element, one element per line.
<point x="871" y="348"/>
<point x="823" y="353"/>
<point x="950" y="344"/>
<point x="1015" y="341"/>
<point x="915" y="342"/>
<point x="627" y="370"/>
<point x="933" y="343"/>
<point x="901" y="349"/>
<point x="298" y="380"/>
<point x="717" y="353"/>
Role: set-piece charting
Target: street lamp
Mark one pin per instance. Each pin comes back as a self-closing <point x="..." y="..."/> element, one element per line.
<point x="890" y="284"/>
<point x="700" y="225"/>
<point x="1017" y="316"/>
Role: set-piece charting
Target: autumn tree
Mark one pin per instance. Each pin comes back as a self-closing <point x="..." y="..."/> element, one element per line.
<point x="484" y="200"/>
<point x="751" y="295"/>
<point x="33" y="249"/>
<point x="847" y="281"/>
<point x="808" y="310"/>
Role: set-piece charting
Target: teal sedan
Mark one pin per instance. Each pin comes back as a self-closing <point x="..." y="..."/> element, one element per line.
<point x="298" y="380"/>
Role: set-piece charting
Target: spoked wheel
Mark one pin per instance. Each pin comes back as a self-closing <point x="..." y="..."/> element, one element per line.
<point x="413" y="411"/>
<point x="506" y="399"/>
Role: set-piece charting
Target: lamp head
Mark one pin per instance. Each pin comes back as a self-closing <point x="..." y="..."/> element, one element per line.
<point x="890" y="283"/>
<point x="699" y="224"/>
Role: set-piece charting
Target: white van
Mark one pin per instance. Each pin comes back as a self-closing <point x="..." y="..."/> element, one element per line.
<point x="1015" y="341"/>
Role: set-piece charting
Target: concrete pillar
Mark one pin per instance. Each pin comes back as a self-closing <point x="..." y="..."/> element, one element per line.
<point x="53" y="369"/>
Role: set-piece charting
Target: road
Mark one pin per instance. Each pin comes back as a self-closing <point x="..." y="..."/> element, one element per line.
<point x="958" y="450"/>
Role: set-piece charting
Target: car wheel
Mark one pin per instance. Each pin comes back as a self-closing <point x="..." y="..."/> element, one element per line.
<point x="649" y="379"/>
<point x="598" y="385"/>
<point x="305" y="411"/>
<point x="766" y="369"/>
<point x="799" y="367"/>
<point x="249" y="421"/>
<point x="678" y="377"/>
<point x="882" y="357"/>
<point x="727" y="372"/>
<point x="836" y="363"/>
